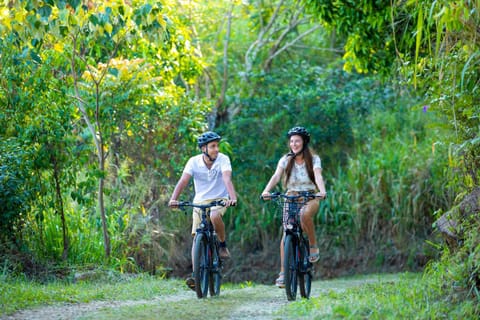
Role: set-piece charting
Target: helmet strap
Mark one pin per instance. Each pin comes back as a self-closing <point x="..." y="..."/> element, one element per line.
<point x="293" y="154"/>
<point x="207" y="155"/>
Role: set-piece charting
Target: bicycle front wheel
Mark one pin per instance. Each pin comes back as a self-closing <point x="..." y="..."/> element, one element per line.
<point x="290" y="267"/>
<point x="215" y="278"/>
<point x="305" y="272"/>
<point x="201" y="265"/>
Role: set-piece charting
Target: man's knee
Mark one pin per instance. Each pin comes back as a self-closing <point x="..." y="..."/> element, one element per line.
<point x="215" y="216"/>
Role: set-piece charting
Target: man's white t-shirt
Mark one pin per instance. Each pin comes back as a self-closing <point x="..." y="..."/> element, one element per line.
<point x="208" y="183"/>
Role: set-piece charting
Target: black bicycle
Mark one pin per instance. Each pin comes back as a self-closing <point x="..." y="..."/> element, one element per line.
<point x="298" y="270"/>
<point x="207" y="263"/>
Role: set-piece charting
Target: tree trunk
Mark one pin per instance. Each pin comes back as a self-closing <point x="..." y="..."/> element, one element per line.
<point x="97" y="138"/>
<point x="59" y="207"/>
<point x="101" y="182"/>
<point x="101" y="206"/>
<point x="221" y="110"/>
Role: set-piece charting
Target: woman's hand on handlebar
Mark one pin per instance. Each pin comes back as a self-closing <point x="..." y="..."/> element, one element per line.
<point x="266" y="195"/>
<point x="321" y="195"/>
<point x="173" y="203"/>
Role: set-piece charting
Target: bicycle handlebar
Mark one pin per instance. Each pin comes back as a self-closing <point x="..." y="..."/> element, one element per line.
<point x="301" y="194"/>
<point x="214" y="203"/>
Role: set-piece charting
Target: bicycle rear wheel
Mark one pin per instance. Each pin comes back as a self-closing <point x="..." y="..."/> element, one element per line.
<point x="200" y="265"/>
<point x="305" y="272"/>
<point x="290" y="267"/>
<point x="215" y="278"/>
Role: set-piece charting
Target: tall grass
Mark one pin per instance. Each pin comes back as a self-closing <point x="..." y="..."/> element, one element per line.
<point x="43" y="237"/>
<point x="388" y="193"/>
<point x="408" y="296"/>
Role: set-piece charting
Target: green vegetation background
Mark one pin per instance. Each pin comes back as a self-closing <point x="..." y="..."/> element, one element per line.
<point x="101" y="104"/>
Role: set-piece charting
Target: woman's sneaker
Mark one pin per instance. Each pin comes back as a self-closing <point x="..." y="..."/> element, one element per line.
<point x="280" y="282"/>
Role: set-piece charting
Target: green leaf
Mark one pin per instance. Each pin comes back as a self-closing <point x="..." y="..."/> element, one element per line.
<point x="418" y="42"/>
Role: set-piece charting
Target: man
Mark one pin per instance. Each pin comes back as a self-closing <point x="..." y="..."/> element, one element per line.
<point x="212" y="177"/>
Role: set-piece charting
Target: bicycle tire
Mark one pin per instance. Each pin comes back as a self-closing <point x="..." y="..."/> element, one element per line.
<point x="305" y="274"/>
<point x="290" y="267"/>
<point x="201" y="265"/>
<point x="215" y="278"/>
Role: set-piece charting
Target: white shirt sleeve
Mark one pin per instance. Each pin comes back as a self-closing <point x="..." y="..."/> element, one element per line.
<point x="225" y="164"/>
<point x="189" y="167"/>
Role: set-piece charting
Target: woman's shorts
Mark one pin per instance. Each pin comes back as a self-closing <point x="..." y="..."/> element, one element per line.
<point x="311" y="205"/>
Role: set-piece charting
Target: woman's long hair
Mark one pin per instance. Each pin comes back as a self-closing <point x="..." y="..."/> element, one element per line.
<point x="308" y="157"/>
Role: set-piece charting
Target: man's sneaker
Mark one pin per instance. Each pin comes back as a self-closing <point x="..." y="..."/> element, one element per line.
<point x="190" y="283"/>
<point x="224" y="253"/>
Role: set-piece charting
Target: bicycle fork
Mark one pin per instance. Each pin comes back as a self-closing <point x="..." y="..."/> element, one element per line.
<point x="214" y="254"/>
<point x="305" y="265"/>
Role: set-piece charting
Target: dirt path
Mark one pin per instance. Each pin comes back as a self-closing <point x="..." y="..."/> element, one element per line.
<point x="268" y="299"/>
<point x="257" y="302"/>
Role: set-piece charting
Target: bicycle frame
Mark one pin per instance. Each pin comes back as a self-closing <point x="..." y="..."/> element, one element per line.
<point x="298" y="270"/>
<point x="207" y="264"/>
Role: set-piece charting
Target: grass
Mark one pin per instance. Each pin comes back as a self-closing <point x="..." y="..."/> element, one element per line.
<point x="21" y="294"/>
<point x="410" y="296"/>
<point x="383" y="296"/>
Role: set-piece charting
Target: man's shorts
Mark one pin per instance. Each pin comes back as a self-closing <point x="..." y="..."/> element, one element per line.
<point x="197" y="213"/>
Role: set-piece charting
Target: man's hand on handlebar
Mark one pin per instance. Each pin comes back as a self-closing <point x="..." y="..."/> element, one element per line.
<point x="230" y="203"/>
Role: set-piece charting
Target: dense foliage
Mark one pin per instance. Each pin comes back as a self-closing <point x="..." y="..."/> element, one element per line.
<point x="436" y="49"/>
<point x="81" y="83"/>
<point x="378" y="199"/>
<point x="100" y="104"/>
<point x="434" y="45"/>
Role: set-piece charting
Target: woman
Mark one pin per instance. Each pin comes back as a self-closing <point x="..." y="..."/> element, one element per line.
<point x="301" y="170"/>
